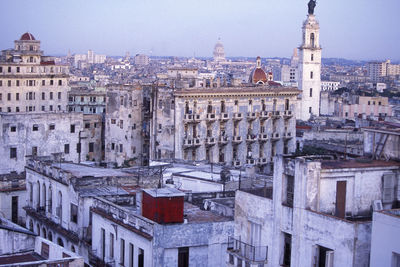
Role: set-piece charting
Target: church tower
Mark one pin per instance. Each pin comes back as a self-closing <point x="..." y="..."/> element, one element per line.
<point x="310" y="67"/>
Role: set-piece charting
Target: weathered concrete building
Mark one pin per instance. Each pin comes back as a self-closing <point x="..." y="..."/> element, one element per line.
<point x="87" y="101"/>
<point x="318" y="213"/>
<point x="385" y="247"/>
<point x="382" y="143"/>
<point x="29" y="81"/>
<point x="178" y="234"/>
<point x="235" y="126"/>
<point x="20" y="247"/>
<point x="124" y="126"/>
<point x="74" y="136"/>
<point x="13" y="197"/>
<point x="60" y="194"/>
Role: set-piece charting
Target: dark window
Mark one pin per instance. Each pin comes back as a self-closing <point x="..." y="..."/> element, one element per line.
<point x="91" y="147"/>
<point x="13" y="128"/>
<point x="72" y="128"/>
<point x="1" y="69"/>
<point x="9" y="83"/>
<point x="87" y="125"/>
<point x="14" y="209"/>
<point x="66" y="148"/>
<point x="9" y="69"/>
<point x="141" y="258"/>
<point x="74" y="213"/>
<point x="51" y="107"/>
<point x="13" y="153"/>
<point x="59" y="82"/>
<point x="17" y="82"/>
<point x="183" y="257"/>
<point x="287" y="249"/>
<point x="310" y="92"/>
<point x="78" y="148"/>
<point x="17" y="96"/>
<point x="121" y="148"/>
<point x="43" y="96"/>
<point x="312" y="57"/>
<point x="9" y="96"/>
<point x="17" y="69"/>
<point x="52" y="126"/>
<point x="311" y="75"/>
<point x="51" y="82"/>
<point x="35" y="127"/>
<point x="17" y="109"/>
<point x="43" y="82"/>
<point x="112" y="146"/>
<point x="43" y="108"/>
<point x="34" y="151"/>
<point x="59" y="95"/>
<point x="51" y="95"/>
<point x="122" y="252"/>
<point x="310" y="110"/>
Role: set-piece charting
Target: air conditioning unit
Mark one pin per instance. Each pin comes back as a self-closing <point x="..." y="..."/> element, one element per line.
<point x="377" y="205"/>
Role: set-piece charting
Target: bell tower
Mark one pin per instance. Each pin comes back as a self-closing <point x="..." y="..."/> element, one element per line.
<point x="310" y="67"/>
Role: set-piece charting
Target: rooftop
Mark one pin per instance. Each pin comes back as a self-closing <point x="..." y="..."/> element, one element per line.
<point x="19" y="258"/>
<point x="79" y="170"/>
<point x="164" y="192"/>
<point x="241" y="90"/>
<point x="357" y="164"/>
<point x="195" y="215"/>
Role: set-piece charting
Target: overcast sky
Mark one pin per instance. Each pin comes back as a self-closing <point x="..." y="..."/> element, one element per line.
<point x="353" y="29"/>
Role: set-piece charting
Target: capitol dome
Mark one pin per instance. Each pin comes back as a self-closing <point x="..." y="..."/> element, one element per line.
<point x="219" y="51"/>
<point x="27" y="37"/>
<point x="258" y="75"/>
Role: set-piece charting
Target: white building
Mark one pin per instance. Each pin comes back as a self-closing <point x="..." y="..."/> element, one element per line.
<point x="317" y="214"/>
<point x="141" y="60"/>
<point x="385" y="247"/>
<point x="310" y="69"/>
<point x="329" y="86"/>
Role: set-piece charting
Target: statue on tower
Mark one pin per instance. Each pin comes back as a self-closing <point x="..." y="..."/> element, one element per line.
<point x="311" y="6"/>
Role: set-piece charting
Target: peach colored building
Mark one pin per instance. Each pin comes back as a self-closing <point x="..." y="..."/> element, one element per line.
<point x="370" y="106"/>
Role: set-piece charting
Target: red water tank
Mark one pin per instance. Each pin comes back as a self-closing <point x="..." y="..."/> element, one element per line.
<point x="163" y="205"/>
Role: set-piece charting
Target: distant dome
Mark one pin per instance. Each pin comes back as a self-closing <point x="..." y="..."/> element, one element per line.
<point x="258" y="75"/>
<point x="27" y="37"/>
<point x="219" y="51"/>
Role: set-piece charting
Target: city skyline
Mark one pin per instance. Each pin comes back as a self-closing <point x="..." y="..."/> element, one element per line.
<point x="191" y="28"/>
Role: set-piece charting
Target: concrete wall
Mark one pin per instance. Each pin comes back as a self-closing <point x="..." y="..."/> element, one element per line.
<point x="385" y="242"/>
<point x="6" y="204"/>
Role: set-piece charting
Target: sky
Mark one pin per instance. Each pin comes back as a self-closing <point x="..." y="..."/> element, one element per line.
<point x="355" y="29"/>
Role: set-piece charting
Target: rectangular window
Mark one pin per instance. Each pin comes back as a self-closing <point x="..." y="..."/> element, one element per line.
<point x="59" y="95"/>
<point x="13" y="129"/>
<point x="17" y="96"/>
<point x="113" y="121"/>
<point x="18" y="69"/>
<point x="121" y="124"/>
<point x="1" y="96"/>
<point x="8" y="109"/>
<point x="13" y="153"/>
<point x="43" y="82"/>
<point x="9" y="69"/>
<point x="78" y="148"/>
<point x="34" y="151"/>
<point x="87" y="125"/>
<point x="51" y="95"/>
<point x="310" y="92"/>
<point x="66" y="148"/>
<point x="183" y="257"/>
<point x="52" y="127"/>
<point x="91" y="147"/>
<point x="9" y="96"/>
<point x="112" y="146"/>
<point x="59" y="82"/>
<point x="17" y="82"/>
<point x="287" y="249"/>
<point x="122" y="252"/>
<point x="134" y="126"/>
<point x="311" y="75"/>
<point x="103" y="243"/>
<point x="58" y="107"/>
<point x="111" y="246"/>
<point x="310" y="110"/>
<point x="51" y="107"/>
<point x="51" y="82"/>
<point x="131" y="254"/>
<point x="1" y="69"/>
<point x="312" y="57"/>
<point x="72" y="128"/>
<point x="17" y="109"/>
<point x="35" y="127"/>
<point x="135" y="102"/>
<point x="43" y="96"/>
<point x="141" y="258"/>
<point x="1" y="83"/>
<point x="8" y="83"/>
<point x="43" y="108"/>
<point x="74" y="213"/>
<point x="121" y="148"/>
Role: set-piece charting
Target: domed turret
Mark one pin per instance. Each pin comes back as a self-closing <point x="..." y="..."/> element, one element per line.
<point x="27" y="37"/>
<point x="219" y="52"/>
<point x="258" y="75"/>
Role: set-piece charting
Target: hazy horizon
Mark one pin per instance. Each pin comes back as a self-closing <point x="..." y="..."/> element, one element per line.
<point x="355" y="30"/>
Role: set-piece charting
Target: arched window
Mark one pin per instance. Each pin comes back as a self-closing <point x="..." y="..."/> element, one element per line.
<point x="60" y="242"/>
<point x="38" y="229"/>
<point x="73" y="249"/>
<point x="44" y="232"/>
<point x="287" y="106"/>
<point x="312" y="40"/>
<point x="50" y="236"/>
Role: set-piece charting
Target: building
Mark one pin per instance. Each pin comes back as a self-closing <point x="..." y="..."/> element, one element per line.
<point x="141" y="60"/>
<point x="234" y="126"/>
<point x="73" y="136"/>
<point x="20" y="247"/>
<point x="385" y="248"/>
<point x="29" y="81"/>
<point x="371" y="106"/>
<point x="381" y="143"/>
<point x="163" y="231"/>
<point x="258" y="75"/>
<point x="318" y="213"/>
<point x="87" y="101"/>
<point x="60" y="195"/>
<point x="13" y="197"/>
<point x="310" y="70"/>
<point x="329" y="86"/>
<point x="124" y="124"/>
<point x="380" y="69"/>
<point x="219" y="52"/>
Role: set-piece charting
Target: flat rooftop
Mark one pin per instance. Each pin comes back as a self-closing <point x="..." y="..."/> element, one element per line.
<point x="19" y="258"/>
<point x="164" y="192"/>
<point x="195" y="215"/>
<point x="79" y="170"/>
<point x="357" y="164"/>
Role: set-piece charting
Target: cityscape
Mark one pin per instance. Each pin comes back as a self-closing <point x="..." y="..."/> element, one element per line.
<point x="233" y="157"/>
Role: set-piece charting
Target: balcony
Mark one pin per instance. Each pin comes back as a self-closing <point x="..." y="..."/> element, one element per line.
<point x="275" y="136"/>
<point x="253" y="254"/>
<point x="251" y="116"/>
<point x="211" y="117"/>
<point x="251" y="138"/>
<point x="262" y="161"/>
<point x="237" y="116"/>
<point x="287" y="114"/>
<point x="263" y="137"/>
<point x="237" y="139"/>
<point x="250" y="161"/>
<point x="265" y="115"/>
<point x="210" y="141"/>
<point x="223" y="140"/>
<point x="236" y="163"/>
<point x="275" y="115"/>
<point x="287" y="135"/>
<point x="224" y="117"/>
<point x="187" y="143"/>
<point x="191" y="118"/>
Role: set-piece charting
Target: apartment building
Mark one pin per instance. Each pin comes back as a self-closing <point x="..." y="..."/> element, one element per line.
<point x="30" y="81"/>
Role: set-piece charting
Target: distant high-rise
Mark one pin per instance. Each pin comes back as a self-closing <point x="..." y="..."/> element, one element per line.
<point x="219" y="52"/>
<point x="310" y="69"/>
